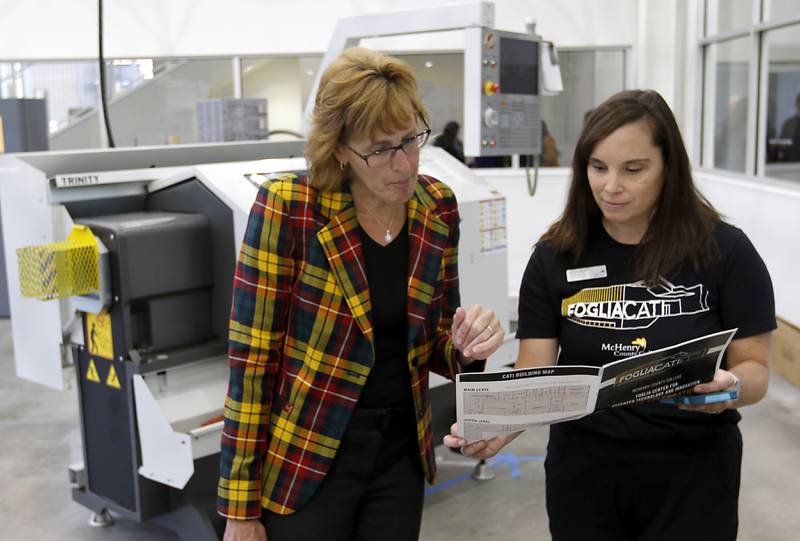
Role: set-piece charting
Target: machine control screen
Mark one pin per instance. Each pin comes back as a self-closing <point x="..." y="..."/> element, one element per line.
<point x="519" y="73"/>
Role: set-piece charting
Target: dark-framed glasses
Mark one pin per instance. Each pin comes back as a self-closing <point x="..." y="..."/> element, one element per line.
<point x="409" y="145"/>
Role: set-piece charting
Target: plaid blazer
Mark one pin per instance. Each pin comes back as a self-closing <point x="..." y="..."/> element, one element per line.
<point x="301" y="339"/>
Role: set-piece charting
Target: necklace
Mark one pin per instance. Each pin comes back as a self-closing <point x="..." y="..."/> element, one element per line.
<point x="387" y="236"/>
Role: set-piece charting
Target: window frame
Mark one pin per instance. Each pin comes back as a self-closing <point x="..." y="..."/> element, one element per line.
<point x="758" y="89"/>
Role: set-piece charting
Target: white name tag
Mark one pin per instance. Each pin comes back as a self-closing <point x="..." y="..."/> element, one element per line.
<point x="586" y="273"/>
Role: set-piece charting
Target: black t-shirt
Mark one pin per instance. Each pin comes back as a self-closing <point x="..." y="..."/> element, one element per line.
<point x="389" y="381"/>
<point x="597" y="320"/>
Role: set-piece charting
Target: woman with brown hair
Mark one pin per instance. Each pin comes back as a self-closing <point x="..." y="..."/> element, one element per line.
<point x="345" y="298"/>
<point x="662" y="268"/>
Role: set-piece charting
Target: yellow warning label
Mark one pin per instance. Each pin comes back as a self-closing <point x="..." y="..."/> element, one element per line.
<point x="91" y="372"/>
<point x="98" y="335"/>
<point x="112" y="380"/>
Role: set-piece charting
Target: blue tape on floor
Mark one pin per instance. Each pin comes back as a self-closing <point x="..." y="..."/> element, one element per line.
<point x="501" y="459"/>
<point x="513" y="462"/>
<point x="438" y="487"/>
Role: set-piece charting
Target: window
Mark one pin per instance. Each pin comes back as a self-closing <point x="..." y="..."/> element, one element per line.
<point x="70" y="88"/>
<point x="125" y="74"/>
<point x="154" y="102"/>
<point x="783" y="103"/>
<point x="751" y="88"/>
<point x="724" y="16"/>
<point x="11" y="80"/>
<point x="151" y="111"/>
<point x="776" y="10"/>
<point x="726" y="100"/>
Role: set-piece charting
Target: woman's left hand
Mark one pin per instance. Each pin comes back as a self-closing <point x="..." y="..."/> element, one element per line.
<point x="476" y="332"/>
<point x="723" y="381"/>
<point x="482" y="449"/>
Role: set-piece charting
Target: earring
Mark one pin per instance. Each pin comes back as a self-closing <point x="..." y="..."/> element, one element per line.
<point x="342" y="165"/>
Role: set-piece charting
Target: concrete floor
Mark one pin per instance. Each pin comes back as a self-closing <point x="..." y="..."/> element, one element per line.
<point x="39" y="438"/>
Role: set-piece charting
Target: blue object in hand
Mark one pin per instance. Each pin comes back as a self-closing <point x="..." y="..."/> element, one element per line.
<point x="699" y="399"/>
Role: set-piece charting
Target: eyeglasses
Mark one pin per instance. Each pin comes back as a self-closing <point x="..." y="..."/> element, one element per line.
<point x="409" y="145"/>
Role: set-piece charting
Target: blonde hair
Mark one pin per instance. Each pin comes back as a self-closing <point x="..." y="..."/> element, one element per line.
<point x="360" y="92"/>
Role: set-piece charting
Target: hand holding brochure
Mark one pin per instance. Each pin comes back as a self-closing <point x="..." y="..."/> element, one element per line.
<point x="492" y="403"/>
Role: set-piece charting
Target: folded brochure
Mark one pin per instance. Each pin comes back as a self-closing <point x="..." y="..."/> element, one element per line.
<point x="492" y="403"/>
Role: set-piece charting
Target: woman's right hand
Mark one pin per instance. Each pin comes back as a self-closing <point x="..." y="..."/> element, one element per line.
<point x="481" y="449"/>
<point x="244" y="530"/>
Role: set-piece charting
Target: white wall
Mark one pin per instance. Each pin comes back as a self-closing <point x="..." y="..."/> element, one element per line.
<point x="50" y="29"/>
<point x="768" y="213"/>
<point x="666" y="59"/>
<point x="655" y="55"/>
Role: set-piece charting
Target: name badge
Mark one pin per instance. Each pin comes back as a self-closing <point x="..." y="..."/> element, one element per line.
<point x="586" y="273"/>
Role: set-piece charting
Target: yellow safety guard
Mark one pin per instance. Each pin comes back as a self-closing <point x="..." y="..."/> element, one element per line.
<point x="60" y="269"/>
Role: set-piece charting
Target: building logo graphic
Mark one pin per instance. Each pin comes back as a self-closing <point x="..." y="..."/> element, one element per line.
<point x="633" y="306"/>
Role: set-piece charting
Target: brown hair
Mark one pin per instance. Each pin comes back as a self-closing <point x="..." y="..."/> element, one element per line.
<point x="360" y="92"/>
<point x="682" y="225"/>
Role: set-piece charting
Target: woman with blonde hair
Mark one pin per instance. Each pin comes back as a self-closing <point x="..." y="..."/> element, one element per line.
<point x="345" y="298"/>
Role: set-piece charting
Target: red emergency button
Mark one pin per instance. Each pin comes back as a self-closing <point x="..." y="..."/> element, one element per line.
<point x="490" y="87"/>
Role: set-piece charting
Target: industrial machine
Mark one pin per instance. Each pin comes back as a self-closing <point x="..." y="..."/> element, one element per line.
<point x="136" y="298"/>
<point x="120" y="265"/>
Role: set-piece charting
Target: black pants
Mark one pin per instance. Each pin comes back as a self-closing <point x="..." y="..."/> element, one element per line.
<point x="637" y="491"/>
<point x="374" y="489"/>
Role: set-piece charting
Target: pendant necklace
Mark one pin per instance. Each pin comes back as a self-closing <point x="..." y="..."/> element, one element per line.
<point x="387" y="236"/>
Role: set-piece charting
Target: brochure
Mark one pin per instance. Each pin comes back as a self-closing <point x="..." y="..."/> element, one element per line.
<point x="492" y="403"/>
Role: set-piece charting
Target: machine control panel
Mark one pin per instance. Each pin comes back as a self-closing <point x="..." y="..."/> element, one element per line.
<point x="502" y="100"/>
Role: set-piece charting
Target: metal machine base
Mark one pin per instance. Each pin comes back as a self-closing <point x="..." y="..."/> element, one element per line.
<point x="101" y="519"/>
<point x="190" y="522"/>
<point x="483" y="471"/>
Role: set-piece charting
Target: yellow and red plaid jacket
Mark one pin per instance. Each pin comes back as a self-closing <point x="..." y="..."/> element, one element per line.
<point x="301" y="339"/>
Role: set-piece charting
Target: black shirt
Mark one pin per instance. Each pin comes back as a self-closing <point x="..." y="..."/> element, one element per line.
<point x="389" y="382"/>
<point x="599" y="320"/>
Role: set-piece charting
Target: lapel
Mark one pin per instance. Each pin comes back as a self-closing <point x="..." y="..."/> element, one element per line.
<point x="341" y="243"/>
<point x="427" y="236"/>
